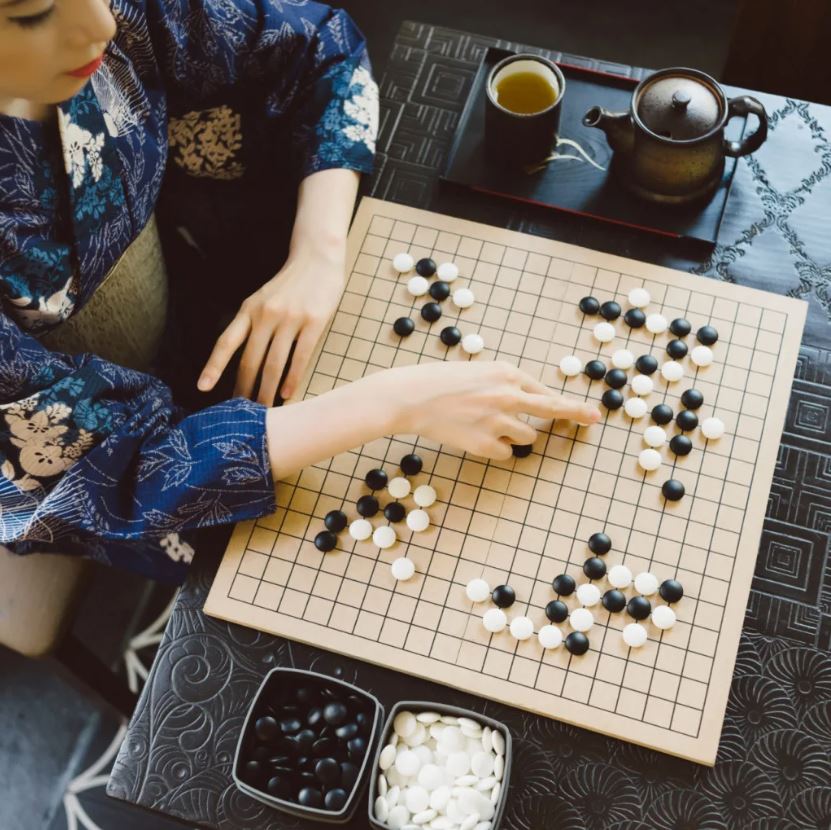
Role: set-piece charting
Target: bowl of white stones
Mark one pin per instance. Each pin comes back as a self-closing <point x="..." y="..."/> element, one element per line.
<point x="439" y="767"/>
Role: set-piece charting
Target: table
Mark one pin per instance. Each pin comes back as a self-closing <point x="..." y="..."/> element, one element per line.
<point x="773" y="769"/>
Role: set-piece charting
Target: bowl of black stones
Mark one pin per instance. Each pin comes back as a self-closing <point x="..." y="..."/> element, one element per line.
<point x="306" y="745"/>
<point x="439" y="767"/>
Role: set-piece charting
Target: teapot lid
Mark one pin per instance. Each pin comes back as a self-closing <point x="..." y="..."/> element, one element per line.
<point x="679" y="104"/>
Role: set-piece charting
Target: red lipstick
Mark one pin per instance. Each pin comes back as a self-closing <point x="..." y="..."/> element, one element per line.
<point x="88" y="70"/>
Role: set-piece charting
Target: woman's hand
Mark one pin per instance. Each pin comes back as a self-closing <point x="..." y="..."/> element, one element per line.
<point x="475" y="406"/>
<point x="294" y="306"/>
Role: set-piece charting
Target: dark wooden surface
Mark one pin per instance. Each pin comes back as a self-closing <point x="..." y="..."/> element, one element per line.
<point x="773" y="771"/>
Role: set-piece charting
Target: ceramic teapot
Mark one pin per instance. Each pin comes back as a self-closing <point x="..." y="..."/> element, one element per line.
<point x="670" y="146"/>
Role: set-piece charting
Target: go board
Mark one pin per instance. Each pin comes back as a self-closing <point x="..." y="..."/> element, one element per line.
<point x="527" y="520"/>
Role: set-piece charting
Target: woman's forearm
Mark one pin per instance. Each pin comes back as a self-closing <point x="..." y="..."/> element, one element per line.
<point x="325" y="202"/>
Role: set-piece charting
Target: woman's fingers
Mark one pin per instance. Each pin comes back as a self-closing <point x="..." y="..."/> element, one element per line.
<point x="275" y="363"/>
<point x="516" y="431"/>
<point x="225" y="347"/>
<point x="558" y="406"/>
<point x="252" y="360"/>
<point x="303" y="351"/>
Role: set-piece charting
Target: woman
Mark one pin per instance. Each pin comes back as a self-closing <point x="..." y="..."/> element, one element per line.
<point x="236" y="123"/>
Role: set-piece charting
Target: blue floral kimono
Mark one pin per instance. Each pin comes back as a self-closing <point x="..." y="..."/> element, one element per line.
<point x="95" y="458"/>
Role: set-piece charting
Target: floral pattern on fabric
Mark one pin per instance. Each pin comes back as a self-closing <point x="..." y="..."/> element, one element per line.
<point x="96" y="459"/>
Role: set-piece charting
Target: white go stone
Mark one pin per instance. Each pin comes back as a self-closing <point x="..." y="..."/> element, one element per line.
<point x="571" y="365"/>
<point x="424" y="496"/>
<point x="623" y="359"/>
<point x="398" y="817"/>
<point x="478" y="590"/>
<point x="656" y="323"/>
<point x="581" y="619"/>
<point x="407" y="763"/>
<point x="439" y="797"/>
<point x="498" y="743"/>
<point x="417" y="799"/>
<point x="399" y="487"/>
<point x="619" y="576"/>
<point x="635" y="407"/>
<point x="382" y="811"/>
<point x="655" y="436"/>
<point x="604" y="332"/>
<point x="588" y="594"/>
<point x="383" y="786"/>
<point x="672" y="371"/>
<point x="403" y="262"/>
<point x="649" y="459"/>
<point x="448" y="271"/>
<point x="418" y="286"/>
<point x="522" y="628"/>
<point x="420" y="819"/>
<point x="428" y="717"/>
<point x="463" y="298"/>
<point x="646" y="583"/>
<point x="458" y="764"/>
<point x="403" y="568"/>
<point x="702" y="355"/>
<point x="663" y="617"/>
<point x="639" y="297"/>
<point x="712" y="428"/>
<point x="387" y="757"/>
<point x="634" y="635"/>
<point x="642" y="384"/>
<point x="360" y="530"/>
<point x="384" y="537"/>
<point x="404" y="725"/>
<point x="418" y="520"/>
<point x="473" y="343"/>
<point x="431" y="777"/>
<point x="495" y="620"/>
<point x="550" y="636"/>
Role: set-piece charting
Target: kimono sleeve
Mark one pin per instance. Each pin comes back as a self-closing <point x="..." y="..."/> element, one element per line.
<point x="305" y="63"/>
<point x="91" y="450"/>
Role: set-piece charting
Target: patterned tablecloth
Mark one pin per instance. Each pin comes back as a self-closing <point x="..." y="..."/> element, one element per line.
<point x="773" y="771"/>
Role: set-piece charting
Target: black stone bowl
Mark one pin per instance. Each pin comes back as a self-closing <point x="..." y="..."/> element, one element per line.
<point x="416" y="706"/>
<point x="288" y="695"/>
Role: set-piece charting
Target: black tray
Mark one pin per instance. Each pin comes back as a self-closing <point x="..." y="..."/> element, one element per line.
<point x="578" y="186"/>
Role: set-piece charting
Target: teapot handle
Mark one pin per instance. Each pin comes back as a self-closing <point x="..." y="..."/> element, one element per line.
<point x="746" y="105"/>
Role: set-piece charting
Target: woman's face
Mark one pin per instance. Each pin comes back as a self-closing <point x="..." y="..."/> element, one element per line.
<point x="49" y="48"/>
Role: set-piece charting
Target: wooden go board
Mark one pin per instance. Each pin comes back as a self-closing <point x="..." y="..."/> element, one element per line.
<point x="524" y="521"/>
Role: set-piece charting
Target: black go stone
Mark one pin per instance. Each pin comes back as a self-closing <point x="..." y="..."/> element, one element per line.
<point x="612" y="399"/>
<point x="616" y="378"/>
<point x="692" y="399"/>
<point x="662" y="413"/>
<point x="335" y="521"/>
<point x="503" y="596"/>
<point x="450" y="336"/>
<point x="577" y="643"/>
<point x="646" y="364"/>
<point x="279" y="787"/>
<point x="634" y="318"/>
<point x="367" y="506"/>
<point x="680" y="445"/>
<point x="266" y="729"/>
<point x="394" y="512"/>
<point x="639" y="608"/>
<point x="426" y="267"/>
<point x="556" y="611"/>
<point x="564" y="585"/>
<point x="376" y="479"/>
<point x="335" y="713"/>
<point x="686" y="420"/>
<point x="707" y="335"/>
<point x="349" y="774"/>
<point x="589" y="305"/>
<point x="677" y="349"/>
<point x="680" y="327"/>
<point x="305" y="741"/>
<point x="253" y="770"/>
<point x="614" y="600"/>
<point x="310" y="797"/>
<point x="594" y="568"/>
<point x="599" y="543"/>
<point x="673" y="489"/>
<point x="403" y="326"/>
<point x="431" y="312"/>
<point x="357" y="748"/>
<point x="347" y="731"/>
<point x="335" y="799"/>
<point x="671" y="590"/>
<point x="411" y="464"/>
<point x="290" y="725"/>
<point x="440" y="290"/>
<point x="326" y="541"/>
<point x="610" y="310"/>
<point x="522" y="450"/>
<point x="595" y="369"/>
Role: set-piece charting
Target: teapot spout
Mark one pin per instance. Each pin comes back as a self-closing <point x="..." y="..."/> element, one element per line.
<point x="620" y="132"/>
